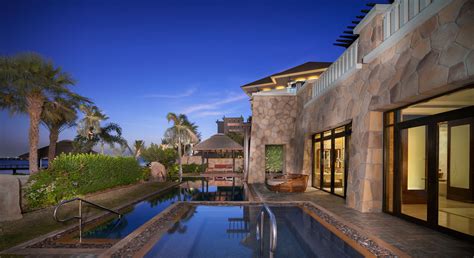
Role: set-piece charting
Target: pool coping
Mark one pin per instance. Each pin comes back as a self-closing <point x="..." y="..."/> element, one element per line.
<point x="24" y="249"/>
<point x="137" y="244"/>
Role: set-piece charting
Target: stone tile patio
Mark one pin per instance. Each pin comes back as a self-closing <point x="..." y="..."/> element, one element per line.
<point x="415" y="240"/>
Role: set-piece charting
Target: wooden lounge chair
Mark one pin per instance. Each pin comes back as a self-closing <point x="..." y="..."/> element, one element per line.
<point x="291" y="183"/>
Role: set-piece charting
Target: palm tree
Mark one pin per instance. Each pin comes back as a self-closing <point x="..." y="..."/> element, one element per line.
<point x="90" y="124"/>
<point x="27" y="81"/>
<point x="138" y="147"/>
<point x="60" y="114"/>
<point x="191" y="125"/>
<point x="178" y="135"/>
<point x="111" y="134"/>
<point x="90" y="132"/>
<point x="194" y="128"/>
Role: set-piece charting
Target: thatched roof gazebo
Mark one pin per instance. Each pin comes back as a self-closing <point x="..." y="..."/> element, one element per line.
<point x="219" y="143"/>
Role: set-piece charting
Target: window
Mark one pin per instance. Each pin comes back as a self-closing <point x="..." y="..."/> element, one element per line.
<point x="330" y="159"/>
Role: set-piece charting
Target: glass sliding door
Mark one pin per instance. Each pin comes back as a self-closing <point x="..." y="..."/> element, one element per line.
<point x="414" y="195"/>
<point x="330" y="160"/>
<point x="428" y="162"/>
<point x="455" y="175"/>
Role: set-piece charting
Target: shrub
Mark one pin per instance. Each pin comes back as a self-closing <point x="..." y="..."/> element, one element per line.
<point x="146" y="173"/>
<point x="192" y="168"/>
<point x="77" y="174"/>
<point x="173" y="171"/>
<point x="166" y="156"/>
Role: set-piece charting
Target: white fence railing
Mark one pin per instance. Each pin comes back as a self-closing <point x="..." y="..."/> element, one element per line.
<point x="342" y="66"/>
<point x="401" y="12"/>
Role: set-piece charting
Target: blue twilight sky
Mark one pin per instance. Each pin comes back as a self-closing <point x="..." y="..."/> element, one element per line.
<point x="139" y="60"/>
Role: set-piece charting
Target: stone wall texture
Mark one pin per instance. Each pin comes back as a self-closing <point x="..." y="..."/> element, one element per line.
<point x="436" y="57"/>
<point x="273" y="122"/>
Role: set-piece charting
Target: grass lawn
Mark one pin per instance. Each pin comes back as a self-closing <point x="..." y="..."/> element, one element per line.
<point x="41" y="222"/>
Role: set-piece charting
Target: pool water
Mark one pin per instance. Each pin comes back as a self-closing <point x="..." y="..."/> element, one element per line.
<point x="138" y="214"/>
<point x="230" y="231"/>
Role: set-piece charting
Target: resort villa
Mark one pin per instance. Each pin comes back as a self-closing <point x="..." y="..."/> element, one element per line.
<point x="389" y="126"/>
<point x="370" y="155"/>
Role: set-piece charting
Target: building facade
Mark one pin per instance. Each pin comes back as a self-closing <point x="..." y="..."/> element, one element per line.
<point x="232" y="125"/>
<point x="389" y="125"/>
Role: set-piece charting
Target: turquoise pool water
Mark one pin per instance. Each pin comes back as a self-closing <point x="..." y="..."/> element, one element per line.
<point x="143" y="211"/>
<point x="230" y="231"/>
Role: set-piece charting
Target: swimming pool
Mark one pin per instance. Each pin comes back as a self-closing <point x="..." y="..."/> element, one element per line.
<point x="186" y="222"/>
<point x="230" y="230"/>
<point x="108" y="229"/>
<point x="143" y="211"/>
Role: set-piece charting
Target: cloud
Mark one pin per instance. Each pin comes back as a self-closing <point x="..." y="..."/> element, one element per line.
<point x="189" y="92"/>
<point x="213" y="106"/>
<point x="209" y="113"/>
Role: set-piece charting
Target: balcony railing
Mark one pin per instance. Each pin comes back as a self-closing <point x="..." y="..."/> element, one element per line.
<point x="401" y="12"/>
<point x="343" y="66"/>
<point x="401" y="18"/>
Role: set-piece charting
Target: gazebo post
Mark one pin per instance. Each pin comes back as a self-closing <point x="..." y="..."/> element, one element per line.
<point x="202" y="162"/>
<point x="233" y="162"/>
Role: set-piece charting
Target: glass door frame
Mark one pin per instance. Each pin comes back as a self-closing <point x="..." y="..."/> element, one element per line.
<point x="332" y="137"/>
<point x="431" y="122"/>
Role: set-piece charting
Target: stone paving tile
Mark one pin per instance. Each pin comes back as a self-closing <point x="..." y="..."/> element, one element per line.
<point x="415" y="240"/>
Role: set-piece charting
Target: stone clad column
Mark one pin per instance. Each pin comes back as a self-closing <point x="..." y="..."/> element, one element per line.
<point x="365" y="176"/>
<point x="273" y="123"/>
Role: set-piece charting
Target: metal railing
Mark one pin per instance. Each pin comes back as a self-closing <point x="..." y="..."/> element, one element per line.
<point x="345" y="63"/>
<point x="273" y="229"/>
<point x="400" y="13"/>
<point x="79" y="217"/>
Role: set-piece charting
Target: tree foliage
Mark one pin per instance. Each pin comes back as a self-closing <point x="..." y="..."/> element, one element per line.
<point x="138" y="147"/>
<point x="90" y="132"/>
<point x="59" y="114"/>
<point x="27" y="81"/>
<point x="180" y="134"/>
<point x="237" y="137"/>
<point x="166" y="156"/>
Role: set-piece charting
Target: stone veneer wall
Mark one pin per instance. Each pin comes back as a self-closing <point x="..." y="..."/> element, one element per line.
<point x="436" y="57"/>
<point x="273" y="122"/>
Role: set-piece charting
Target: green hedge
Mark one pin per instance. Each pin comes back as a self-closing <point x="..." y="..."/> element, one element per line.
<point x="78" y="174"/>
<point x="173" y="171"/>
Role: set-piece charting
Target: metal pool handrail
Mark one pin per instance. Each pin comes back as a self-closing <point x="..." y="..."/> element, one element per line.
<point x="273" y="228"/>
<point x="55" y="213"/>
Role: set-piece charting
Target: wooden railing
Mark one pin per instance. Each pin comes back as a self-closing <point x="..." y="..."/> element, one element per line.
<point x="346" y="63"/>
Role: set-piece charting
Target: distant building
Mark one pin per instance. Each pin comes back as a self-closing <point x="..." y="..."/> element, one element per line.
<point x="64" y="146"/>
<point x="233" y="124"/>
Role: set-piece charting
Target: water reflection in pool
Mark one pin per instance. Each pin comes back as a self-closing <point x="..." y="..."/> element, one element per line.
<point x="230" y="231"/>
<point x="136" y="215"/>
